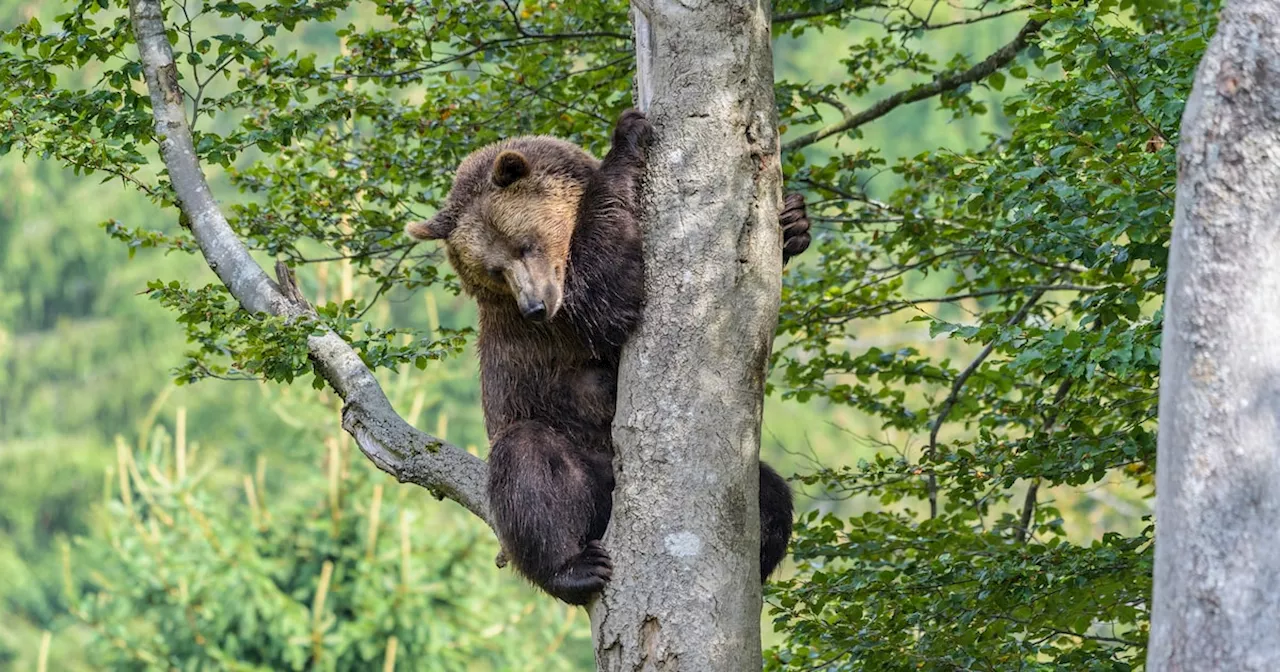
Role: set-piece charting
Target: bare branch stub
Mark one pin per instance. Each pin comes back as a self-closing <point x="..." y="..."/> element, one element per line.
<point x="289" y="287"/>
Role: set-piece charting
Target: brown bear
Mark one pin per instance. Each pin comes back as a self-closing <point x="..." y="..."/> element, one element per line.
<point x="545" y="238"/>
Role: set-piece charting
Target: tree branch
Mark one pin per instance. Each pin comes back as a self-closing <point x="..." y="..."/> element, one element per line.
<point x="520" y="41"/>
<point x="385" y="438"/>
<point x="1000" y="58"/>
<point x="889" y="307"/>
<point x="1029" y="502"/>
<point x="954" y="396"/>
<point x="838" y="8"/>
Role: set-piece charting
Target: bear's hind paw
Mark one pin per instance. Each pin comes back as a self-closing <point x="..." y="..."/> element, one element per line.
<point x="583" y="576"/>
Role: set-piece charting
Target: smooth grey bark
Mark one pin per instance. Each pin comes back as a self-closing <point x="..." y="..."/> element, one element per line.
<point x="1216" y="604"/>
<point x="685" y="530"/>
<point x="385" y="438"/>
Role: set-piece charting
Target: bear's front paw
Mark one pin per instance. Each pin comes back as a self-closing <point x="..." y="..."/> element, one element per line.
<point x="794" y="221"/>
<point x="633" y="131"/>
<point x="583" y="576"/>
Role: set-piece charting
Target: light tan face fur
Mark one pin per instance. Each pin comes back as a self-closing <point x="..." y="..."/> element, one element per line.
<point x="510" y="241"/>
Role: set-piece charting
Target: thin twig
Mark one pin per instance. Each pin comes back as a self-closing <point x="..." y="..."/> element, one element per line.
<point x="1029" y="501"/>
<point x="889" y="307"/>
<point x="954" y="396"/>
<point x="384" y="285"/>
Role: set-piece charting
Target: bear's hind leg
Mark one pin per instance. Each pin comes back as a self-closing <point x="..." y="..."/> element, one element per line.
<point x="550" y="503"/>
<point x="775" y="520"/>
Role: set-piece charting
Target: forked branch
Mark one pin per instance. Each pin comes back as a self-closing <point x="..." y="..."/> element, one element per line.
<point x="385" y="438"/>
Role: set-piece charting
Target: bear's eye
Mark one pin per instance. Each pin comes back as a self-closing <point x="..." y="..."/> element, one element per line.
<point x="495" y="272"/>
<point x="526" y="250"/>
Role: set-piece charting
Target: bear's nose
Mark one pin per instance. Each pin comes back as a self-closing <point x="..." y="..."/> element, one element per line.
<point x="534" y="310"/>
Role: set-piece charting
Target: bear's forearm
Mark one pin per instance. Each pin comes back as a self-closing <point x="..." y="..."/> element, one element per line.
<point x="605" y="295"/>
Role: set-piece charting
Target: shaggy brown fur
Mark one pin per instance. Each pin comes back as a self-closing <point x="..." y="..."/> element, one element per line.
<point x="545" y="238"/>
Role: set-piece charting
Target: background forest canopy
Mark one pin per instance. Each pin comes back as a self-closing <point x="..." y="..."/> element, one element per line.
<point x="963" y="386"/>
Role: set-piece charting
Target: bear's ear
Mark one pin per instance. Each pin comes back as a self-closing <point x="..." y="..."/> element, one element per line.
<point x="509" y="167"/>
<point x="436" y="228"/>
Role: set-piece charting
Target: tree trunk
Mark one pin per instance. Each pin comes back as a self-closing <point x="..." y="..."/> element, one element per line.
<point x="685" y="529"/>
<point x="1217" y="576"/>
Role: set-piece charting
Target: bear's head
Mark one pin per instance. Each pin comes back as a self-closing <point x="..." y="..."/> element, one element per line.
<point x="508" y="220"/>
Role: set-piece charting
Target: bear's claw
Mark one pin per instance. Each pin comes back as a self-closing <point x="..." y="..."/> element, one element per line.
<point x="583" y="576"/>
<point x="594" y="554"/>
<point x="794" y="221"/>
<point x="633" y="130"/>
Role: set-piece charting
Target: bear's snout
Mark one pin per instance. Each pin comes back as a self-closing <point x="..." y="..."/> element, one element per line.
<point x="533" y="309"/>
<point x="534" y="285"/>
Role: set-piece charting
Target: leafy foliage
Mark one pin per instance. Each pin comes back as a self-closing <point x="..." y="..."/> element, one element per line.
<point x="1041" y="258"/>
<point x="327" y="155"/>
<point x="189" y="573"/>
<point x="275" y="348"/>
